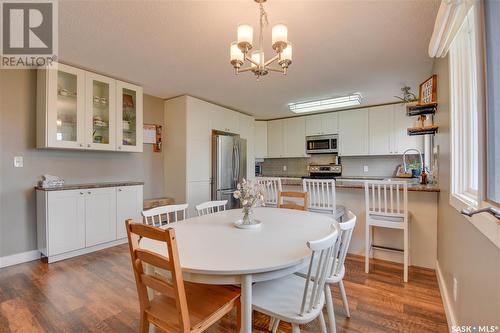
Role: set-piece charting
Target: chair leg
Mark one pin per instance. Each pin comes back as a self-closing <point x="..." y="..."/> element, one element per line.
<point x="368" y="244"/>
<point x="271" y="324"/>
<point x="276" y="323"/>
<point x="406" y="255"/>
<point x="344" y="298"/>
<point x="144" y="323"/>
<point x="295" y="328"/>
<point x="238" y="315"/>
<point x="322" y="323"/>
<point x="329" y="309"/>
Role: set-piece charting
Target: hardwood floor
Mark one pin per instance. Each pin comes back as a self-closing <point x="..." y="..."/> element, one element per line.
<point x="96" y="293"/>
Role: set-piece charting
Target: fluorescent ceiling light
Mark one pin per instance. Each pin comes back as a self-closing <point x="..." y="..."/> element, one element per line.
<point x="326" y="104"/>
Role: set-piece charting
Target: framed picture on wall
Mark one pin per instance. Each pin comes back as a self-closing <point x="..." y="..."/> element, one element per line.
<point x="428" y="93"/>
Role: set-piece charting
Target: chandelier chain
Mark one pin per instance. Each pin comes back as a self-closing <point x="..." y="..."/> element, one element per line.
<point x="263" y="22"/>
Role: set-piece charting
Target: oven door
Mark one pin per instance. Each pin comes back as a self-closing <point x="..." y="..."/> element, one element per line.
<point x="318" y="145"/>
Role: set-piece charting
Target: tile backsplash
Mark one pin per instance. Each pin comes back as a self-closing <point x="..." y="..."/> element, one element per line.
<point x="384" y="166"/>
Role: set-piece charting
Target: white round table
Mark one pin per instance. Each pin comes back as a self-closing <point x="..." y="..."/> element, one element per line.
<point x="213" y="251"/>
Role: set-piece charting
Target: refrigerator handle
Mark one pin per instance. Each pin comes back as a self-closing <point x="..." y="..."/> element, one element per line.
<point x="237" y="163"/>
<point x="234" y="164"/>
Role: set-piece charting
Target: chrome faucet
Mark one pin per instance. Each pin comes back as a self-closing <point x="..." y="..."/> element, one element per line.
<point x="419" y="155"/>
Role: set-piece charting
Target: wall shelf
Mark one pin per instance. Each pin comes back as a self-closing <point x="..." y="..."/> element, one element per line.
<point x="421" y="109"/>
<point x="422" y="130"/>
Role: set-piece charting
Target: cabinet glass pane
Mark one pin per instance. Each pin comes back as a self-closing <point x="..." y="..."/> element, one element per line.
<point x="100" y="112"/>
<point x="129" y="116"/>
<point x="66" y="107"/>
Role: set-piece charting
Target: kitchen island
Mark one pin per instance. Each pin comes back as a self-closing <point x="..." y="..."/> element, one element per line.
<point x="422" y="207"/>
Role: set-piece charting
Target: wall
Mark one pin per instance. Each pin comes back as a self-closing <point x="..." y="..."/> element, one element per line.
<point x="463" y="252"/>
<point x="384" y="166"/>
<point x="17" y="138"/>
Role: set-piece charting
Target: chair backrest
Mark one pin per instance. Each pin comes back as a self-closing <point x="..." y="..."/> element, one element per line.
<point x="158" y="215"/>
<point x="322" y="251"/>
<point x="385" y="198"/>
<point x="271" y="186"/>
<point x="342" y="245"/>
<point x="292" y="205"/>
<point x="175" y="287"/>
<point x="321" y="194"/>
<point x="210" y="207"/>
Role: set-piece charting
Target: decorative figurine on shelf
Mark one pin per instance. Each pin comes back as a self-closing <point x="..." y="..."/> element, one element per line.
<point x="250" y="195"/>
<point x="408" y="97"/>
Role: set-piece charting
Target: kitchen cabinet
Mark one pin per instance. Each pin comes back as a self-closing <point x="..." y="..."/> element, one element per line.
<point x="61" y="108"/>
<point x="294" y="137"/>
<point x="197" y="193"/>
<point x="354" y="132"/>
<point x="129" y="113"/>
<point x="66" y="213"/>
<point x="225" y="120"/>
<point x="321" y="124"/>
<point x="72" y="222"/>
<point x="275" y="139"/>
<point x="78" y="109"/>
<point x="129" y="201"/>
<point x="260" y="139"/>
<point x="100" y="216"/>
<point x="247" y="132"/>
<point x="381" y="126"/>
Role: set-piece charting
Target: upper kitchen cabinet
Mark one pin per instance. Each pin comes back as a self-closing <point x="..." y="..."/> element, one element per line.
<point x="100" y="115"/>
<point x="260" y="139"/>
<point x="225" y="120"/>
<point x="401" y="139"/>
<point x="380" y="130"/>
<point x="321" y="124"/>
<point x="77" y="109"/>
<point x="129" y="117"/>
<point x="353" y="132"/>
<point x="295" y="137"/>
<point x="275" y="139"/>
<point x="61" y="108"/>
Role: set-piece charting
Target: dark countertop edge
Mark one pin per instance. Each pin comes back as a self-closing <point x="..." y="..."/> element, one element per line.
<point x="67" y="187"/>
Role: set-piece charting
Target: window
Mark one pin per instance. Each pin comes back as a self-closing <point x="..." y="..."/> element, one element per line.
<point x="464" y="104"/>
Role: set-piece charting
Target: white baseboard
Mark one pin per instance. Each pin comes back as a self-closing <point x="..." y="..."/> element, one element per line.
<point x="19" y="258"/>
<point x="448" y="309"/>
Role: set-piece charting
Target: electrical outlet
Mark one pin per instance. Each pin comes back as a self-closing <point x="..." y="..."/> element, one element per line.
<point x="284" y="167"/>
<point x="455" y="289"/>
<point x="365" y="168"/>
<point x="18" y="161"/>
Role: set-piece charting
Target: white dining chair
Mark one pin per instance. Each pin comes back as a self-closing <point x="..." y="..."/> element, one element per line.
<point x="272" y="187"/>
<point x="210" y="207"/>
<point x="159" y="216"/>
<point x="336" y="272"/>
<point x="295" y="299"/>
<point x="386" y="204"/>
<point x="321" y="195"/>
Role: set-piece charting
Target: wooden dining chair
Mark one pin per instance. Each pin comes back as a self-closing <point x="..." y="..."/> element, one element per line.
<point x="211" y="207"/>
<point x="159" y="216"/>
<point x="292" y="205"/>
<point x="177" y="306"/>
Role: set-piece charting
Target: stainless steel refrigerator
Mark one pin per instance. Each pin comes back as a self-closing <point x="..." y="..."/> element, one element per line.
<point x="229" y="166"/>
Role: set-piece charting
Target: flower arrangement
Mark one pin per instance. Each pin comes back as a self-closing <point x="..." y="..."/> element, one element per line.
<point x="250" y="195"/>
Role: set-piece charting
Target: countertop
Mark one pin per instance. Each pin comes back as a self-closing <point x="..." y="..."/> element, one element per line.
<point x="87" y="186"/>
<point x="358" y="183"/>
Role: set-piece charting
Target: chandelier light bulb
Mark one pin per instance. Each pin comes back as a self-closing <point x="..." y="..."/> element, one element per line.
<point x="237" y="56"/>
<point x="258" y="57"/>
<point x="286" y="54"/>
<point x="245" y="37"/>
<point x="279" y="37"/>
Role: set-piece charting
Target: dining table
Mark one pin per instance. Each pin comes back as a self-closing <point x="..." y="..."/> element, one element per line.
<point x="213" y="251"/>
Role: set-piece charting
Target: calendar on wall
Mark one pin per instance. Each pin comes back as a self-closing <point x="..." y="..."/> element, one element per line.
<point x="428" y="90"/>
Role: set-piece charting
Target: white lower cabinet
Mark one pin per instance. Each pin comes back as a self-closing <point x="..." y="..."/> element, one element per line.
<point x="74" y="222"/>
<point x="100" y="216"/>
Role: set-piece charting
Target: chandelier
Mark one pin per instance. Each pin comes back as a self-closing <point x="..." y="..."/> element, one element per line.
<point x="240" y="50"/>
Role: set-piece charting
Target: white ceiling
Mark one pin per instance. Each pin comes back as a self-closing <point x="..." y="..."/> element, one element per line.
<point x="182" y="47"/>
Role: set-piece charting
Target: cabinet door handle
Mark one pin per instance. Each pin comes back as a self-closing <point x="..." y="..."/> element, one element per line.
<point x="88" y="145"/>
<point x="119" y="147"/>
<point x="89" y="192"/>
<point x="81" y="193"/>
<point x="119" y="190"/>
<point x="81" y="144"/>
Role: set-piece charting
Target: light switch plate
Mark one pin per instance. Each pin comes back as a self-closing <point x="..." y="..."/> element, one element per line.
<point x="365" y="168"/>
<point x="18" y="161"/>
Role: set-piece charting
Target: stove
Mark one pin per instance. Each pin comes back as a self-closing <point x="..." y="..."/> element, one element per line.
<point x="325" y="171"/>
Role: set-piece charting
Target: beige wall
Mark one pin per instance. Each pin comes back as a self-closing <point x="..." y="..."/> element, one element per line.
<point x="463" y="251"/>
<point x="17" y="138"/>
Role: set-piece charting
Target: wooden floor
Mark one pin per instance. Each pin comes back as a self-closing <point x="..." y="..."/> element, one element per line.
<point x="96" y="293"/>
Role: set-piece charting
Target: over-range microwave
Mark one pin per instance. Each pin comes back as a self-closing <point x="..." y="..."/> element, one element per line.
<point x="322" y="144"/>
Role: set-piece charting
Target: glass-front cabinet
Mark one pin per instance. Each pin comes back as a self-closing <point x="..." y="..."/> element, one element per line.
<point x="100" y="112"/>
<point x="129" y="117"/>
<point x="65" y="103"/>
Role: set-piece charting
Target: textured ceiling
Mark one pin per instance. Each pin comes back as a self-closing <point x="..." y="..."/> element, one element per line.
<point x="182" y="47"/>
